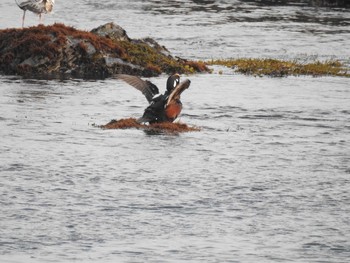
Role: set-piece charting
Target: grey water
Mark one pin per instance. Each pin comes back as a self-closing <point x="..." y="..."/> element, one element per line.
<point x="266" y="179"/>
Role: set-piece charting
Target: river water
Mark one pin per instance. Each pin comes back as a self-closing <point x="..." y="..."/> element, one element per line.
<point x="267" y="178"/>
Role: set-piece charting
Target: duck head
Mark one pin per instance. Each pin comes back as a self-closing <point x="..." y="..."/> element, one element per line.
<point x="172" y="82"/>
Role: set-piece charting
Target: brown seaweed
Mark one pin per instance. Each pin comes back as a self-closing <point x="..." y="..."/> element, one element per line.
<point x="162" y="127"/>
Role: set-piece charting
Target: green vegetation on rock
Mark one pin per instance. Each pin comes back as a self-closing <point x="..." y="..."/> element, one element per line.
<point x="279" y="68"/>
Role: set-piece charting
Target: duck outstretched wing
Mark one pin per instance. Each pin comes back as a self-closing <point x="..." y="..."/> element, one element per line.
<point x="146" y="87"/>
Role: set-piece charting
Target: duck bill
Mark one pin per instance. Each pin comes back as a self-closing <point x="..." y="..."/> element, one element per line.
<point x="175" y="94"/>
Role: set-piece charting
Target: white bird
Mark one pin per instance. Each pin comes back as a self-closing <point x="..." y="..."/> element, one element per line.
<point x="36" y="6"/>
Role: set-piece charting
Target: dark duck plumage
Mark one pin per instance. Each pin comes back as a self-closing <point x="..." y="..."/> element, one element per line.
<point x="162" y="107"/>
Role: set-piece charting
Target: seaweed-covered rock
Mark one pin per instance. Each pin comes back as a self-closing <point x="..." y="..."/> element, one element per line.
<point x="61" y="51"/>
<point x="162" y="127"/>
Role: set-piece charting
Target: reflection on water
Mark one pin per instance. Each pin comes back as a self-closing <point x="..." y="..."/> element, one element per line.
<point x="250" y="12"/>
<point x="251" y="29"/>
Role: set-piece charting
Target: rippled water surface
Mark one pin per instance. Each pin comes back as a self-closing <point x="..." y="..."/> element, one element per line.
<point x="265" y="180"/>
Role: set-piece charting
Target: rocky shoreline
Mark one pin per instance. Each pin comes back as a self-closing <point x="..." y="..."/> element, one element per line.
<point x="60" y="51"/>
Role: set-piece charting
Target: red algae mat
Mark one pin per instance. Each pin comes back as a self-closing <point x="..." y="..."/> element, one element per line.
<point x="166" y="127"/>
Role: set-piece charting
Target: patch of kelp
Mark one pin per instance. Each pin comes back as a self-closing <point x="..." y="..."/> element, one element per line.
<point x="280" y="68"/>
<point x="63" y="50"/>
<point x="163" y="127"/>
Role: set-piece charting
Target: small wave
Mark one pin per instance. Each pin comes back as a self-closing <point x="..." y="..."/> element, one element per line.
<point x="312" y="119"/>
<point x="15" y="167"/>
<point x="262" y="116"/>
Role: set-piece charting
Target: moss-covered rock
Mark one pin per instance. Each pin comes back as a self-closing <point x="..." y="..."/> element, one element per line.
<point x="61" y="51"/>
<point x="280" y="68"/>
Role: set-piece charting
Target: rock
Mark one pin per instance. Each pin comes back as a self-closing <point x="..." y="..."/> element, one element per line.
<point x="154" y="44"/>
<point x="59" y="51"/>
<point x="112" y="31"/>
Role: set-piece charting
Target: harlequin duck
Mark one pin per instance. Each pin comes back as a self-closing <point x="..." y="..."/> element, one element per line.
<point x="162" y="107"/>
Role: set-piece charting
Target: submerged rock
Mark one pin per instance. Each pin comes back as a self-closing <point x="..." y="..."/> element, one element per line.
<point x="61" y="51"/>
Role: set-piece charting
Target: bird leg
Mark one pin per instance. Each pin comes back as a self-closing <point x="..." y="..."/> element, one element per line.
<point x="24" y="15"/>
<point x="40" y="20"/>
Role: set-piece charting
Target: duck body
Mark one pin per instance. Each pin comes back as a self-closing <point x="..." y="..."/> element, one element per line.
<point x="159" y="111"/>
<point x="173" y="110"/>
<point x="162" y="107"/>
